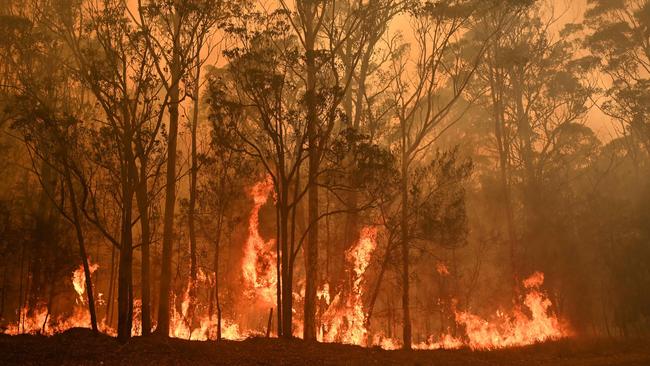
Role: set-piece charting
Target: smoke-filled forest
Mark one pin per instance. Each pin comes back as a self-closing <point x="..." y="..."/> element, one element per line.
<point x="325" y="181"/>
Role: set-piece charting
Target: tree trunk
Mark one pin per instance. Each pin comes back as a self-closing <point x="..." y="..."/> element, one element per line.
<point x="216" y="275"/>
<point x="125" y="272"/>
<point x="145" y="271"/>
<point x="124" y="299"/>
<point x="110" y="300"/>
<point x="531" y="191"/>
<point x="278" y="268"/>
<point x="311" y="268"/>
<point x="82" y="251"/>
<point x="192" y="202"/>
<point x="170" y="195"/>
<point x="405" y="245"/>
<point x="496" y="84"/>
<point x="380" y="279"/>
<point x="287" y="301"/>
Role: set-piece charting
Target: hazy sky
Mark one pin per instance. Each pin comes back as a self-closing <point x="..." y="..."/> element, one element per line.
<point x="567" y="11"/>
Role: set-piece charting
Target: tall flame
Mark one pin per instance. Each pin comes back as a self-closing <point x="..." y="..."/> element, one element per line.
<point x="345" y="321"/>
<point x="259" y="256"/>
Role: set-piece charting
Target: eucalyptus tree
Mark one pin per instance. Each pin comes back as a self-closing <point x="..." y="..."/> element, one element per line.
<point x="46" y="106"/>
<point x="619" y="42"/>
<point x="173" y="32"/>
<point x="334" y="39"/>
<point x="255" y="111"/>
<point x="491" y="83"/>
<point x="360" y="59"/>
<point x="225" y="174"/>
<point x="538" y="90"/>
<point x="429" y="79"/>
<point x="112" y="62"/>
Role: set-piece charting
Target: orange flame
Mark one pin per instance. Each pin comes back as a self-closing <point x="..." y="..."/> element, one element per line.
<point x="345" y="321"/>
<point x="39" y="320"/>
<point x="516" y="329"/>
<point x="259" y="257"/>
<point x="79" y="280"/>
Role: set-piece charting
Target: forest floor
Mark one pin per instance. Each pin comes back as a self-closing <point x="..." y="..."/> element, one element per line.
<point x="82" y="347"/>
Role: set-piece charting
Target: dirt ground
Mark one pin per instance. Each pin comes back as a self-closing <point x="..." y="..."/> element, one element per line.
<point x="82" y="347"/>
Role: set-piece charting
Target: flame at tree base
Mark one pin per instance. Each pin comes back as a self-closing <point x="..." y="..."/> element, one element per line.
<point x="344" y="320"/>
<point x="506" y="330"/>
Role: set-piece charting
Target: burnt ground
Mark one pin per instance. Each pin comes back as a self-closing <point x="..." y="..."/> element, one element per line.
<point x="81" y="347"/>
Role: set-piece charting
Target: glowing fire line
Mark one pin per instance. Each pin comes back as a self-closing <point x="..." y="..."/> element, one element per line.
<point x="344" y="320"/>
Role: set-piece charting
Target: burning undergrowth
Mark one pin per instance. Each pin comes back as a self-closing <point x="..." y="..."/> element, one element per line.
<point x="343" y="315"/>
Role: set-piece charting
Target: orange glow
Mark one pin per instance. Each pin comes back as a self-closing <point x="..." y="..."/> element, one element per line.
<point x="345" y="320"/>
<point x="518" y="328"/>
<point x="259" y="256"/>
<point x="445" y="341"/>
<point x="442" y="269"/>
<point x="506" y="330"/>
<point x="79" y="280"/>
<point x="40" y="321"/>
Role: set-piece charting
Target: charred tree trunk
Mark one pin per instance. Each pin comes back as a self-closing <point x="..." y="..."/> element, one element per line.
<point x="76" y="219"/>
<point x="380" y="278"/>
<point x="111" y="290"/>
<point x="278" y="269"/>
<point x="125" y="272"/>
<point x="216" y="275"/>
<point x="192" y="201"/>
<point x="406" y="320"/>
<point x="311" y="268"/>
<point x="287" y="300"/>
<point x="124" y="298"/>
<point x="145" y="271"/>
<point x="170" y="193"/>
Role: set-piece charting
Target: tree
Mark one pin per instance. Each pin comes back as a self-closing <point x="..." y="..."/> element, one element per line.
<point x="172" y="31"/>
<point x="41" y="91"/>
<point x="224" y="177"/>
<point x="325" y="86"/>
<point x="620" y="45"/>
<point x="22" y="41"/>
<point x="424" y="99"/>
<point x="255" y="111"/>
<point x="361" y="57"/>
<point x="538" y="90"/>
<point x="115" y="66"/>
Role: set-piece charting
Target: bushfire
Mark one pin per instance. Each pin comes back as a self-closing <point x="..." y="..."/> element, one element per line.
<point x="343" y="316"/>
